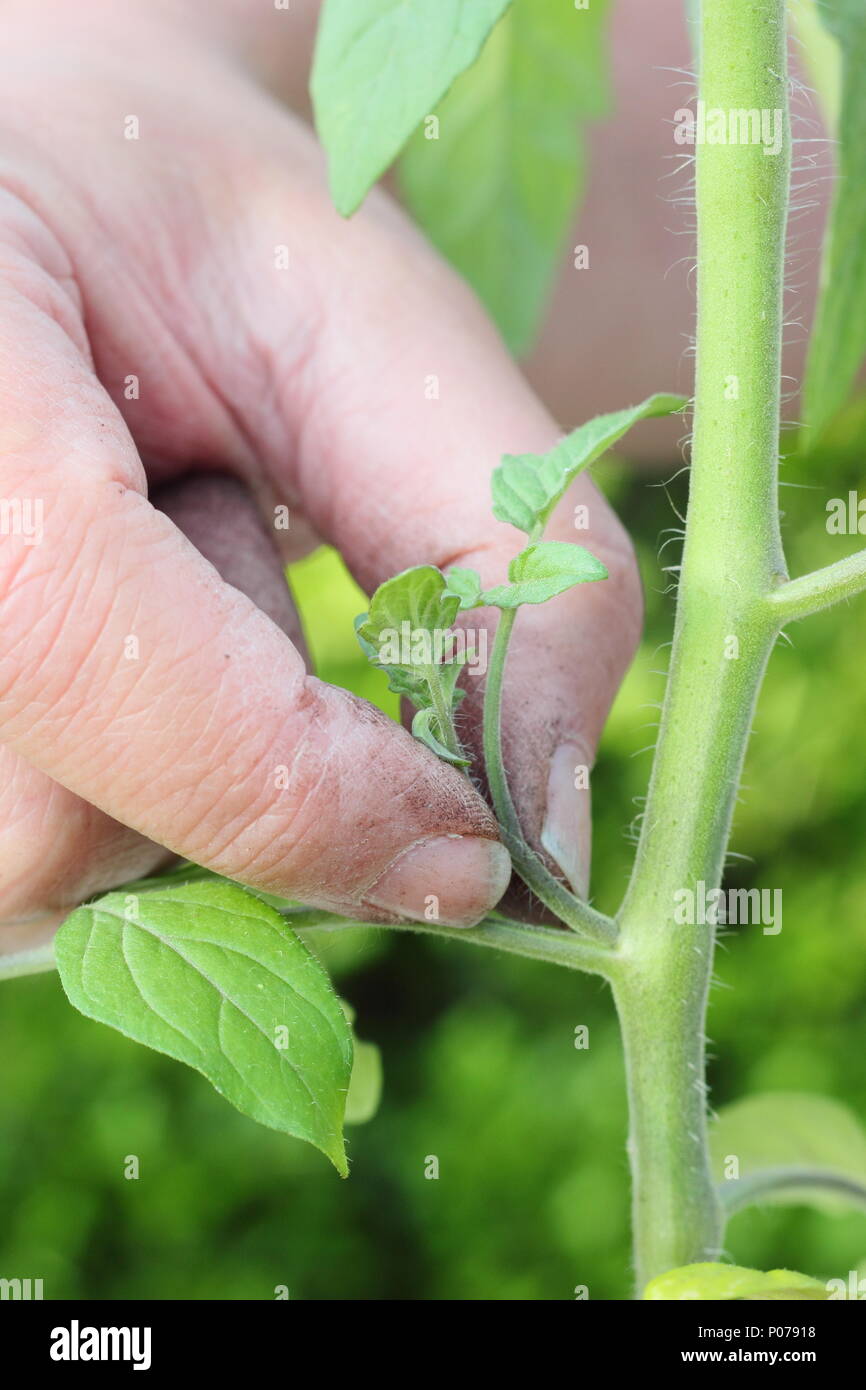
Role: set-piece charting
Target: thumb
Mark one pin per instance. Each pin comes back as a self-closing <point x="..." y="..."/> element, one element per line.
<point x="131" y="674"/>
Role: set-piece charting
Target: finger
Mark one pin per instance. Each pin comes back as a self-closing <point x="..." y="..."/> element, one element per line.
<point x="218" y="514"/>
<point x="133" y="675"/>
<point x="57" y="850"/>
<point x="405" y="404"/>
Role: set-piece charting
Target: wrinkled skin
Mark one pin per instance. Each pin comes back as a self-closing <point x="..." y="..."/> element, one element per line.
<point x="258" y="386"/>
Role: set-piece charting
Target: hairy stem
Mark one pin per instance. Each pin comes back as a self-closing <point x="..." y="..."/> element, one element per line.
<point x="732" y="560"/>
<point x="757" y="1187"/>
<point x="800" y="598"/>
<point x="498" y="934"/>
<point x="442" y="709"/>
<point x="33" y="962"/>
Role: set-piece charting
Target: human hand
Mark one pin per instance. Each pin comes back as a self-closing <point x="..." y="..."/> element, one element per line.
<point x="186" y="302"/>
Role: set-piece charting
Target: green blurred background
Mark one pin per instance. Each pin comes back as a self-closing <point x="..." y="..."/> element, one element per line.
<point x="480" y="1064"/>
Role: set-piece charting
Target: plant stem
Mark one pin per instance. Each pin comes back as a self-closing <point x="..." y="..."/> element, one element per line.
<point x="442" y="709"/>
<point x="33" y="962"/>
<point x="576" y="914"/>
<point x="499" y="934"/>
<point x="800" y="598"/>
<point x="515" y="938"/>
<point x="756" y="1187"/>
<point x="732" y="560"/>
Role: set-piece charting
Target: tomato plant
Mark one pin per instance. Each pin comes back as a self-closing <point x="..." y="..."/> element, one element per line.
<point x="219" y="977"/>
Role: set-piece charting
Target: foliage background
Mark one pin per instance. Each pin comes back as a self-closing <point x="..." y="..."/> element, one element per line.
<point x="480" y="1064"/>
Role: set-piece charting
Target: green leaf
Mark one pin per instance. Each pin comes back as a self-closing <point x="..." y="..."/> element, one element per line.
<point x="425" y="727"/>
<point x="791" y="1147"/>
<point x="497" y="189"/>
<point x="544" y="570"/>
<point x="380" y="67"/>
<point x="416" y="598"/>
<point x="527" y="487"/>
<point x="812" y="1293"/>
<point x="727" y="1282"/>
<point x="400" y="680"/>
<point x="821" y="56"/>
<point x="838" y="343"/>
<point x="365" y="1087"/>
<point x="466" y="584"/>
<point x="408" y="633"/>
<point x="369" y="649"/>
<point x="210" y="975"/>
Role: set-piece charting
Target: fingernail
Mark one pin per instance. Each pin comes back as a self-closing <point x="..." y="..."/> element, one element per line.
<point x="452" y="879"/>
<point x="567" y="830"/>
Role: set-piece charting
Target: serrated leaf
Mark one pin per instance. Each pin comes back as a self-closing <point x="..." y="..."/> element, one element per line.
<point x="542" y="571"/>
<point x="527" y="487"/>
<point x="785" y="1142"/>
<point x="838" y="343"/>
<point x="466" y="584"/>
<point x="416" y="598"/>
<point x="368" y="648"/>
<point x="729" y="1282"/>
<point x="380" y="67"/>
<point x="212" y="976"/>
<point x="409" y="632"/>
<point x="497" y="189"/>
<point x="401" y="681"/>
<point x="425" y="727"/>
